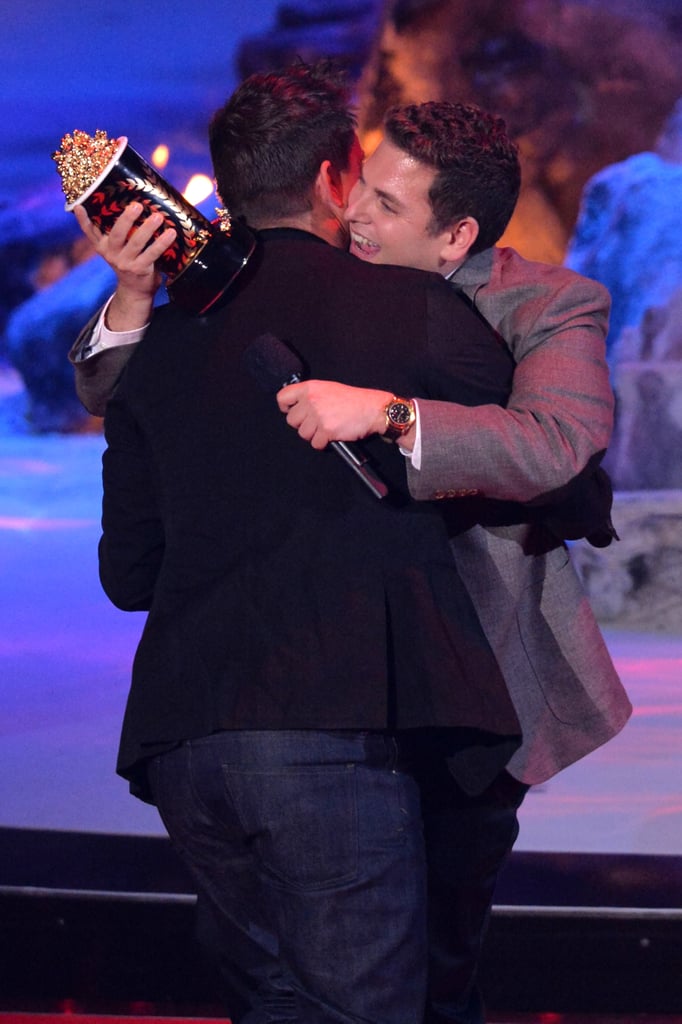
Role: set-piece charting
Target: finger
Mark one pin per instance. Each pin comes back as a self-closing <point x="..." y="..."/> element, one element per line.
<point x="288" y="396"/>
<point x="295" y="417"/>
<point x="142" y="244"/>
<point x="91" y="232"/>
<point x="319" y="440"/>
<point x="159" y="245"/>
<point x="130" y="231"/>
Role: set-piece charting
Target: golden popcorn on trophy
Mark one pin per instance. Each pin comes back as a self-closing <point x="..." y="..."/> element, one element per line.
<point x="104" y="175"/>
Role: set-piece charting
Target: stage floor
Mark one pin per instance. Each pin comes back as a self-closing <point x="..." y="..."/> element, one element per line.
<point x="65" y="656"/>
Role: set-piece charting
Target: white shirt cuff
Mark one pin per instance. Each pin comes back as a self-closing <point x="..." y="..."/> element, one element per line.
<point x="415" y="456"/>
<point x="101" y="337"/>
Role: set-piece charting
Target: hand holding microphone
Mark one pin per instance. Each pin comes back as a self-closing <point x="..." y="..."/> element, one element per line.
<point x="275" y="366"/>
<point x="324" y="410"/>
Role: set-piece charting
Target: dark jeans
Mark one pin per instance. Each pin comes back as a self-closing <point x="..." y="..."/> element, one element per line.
<point x="308" y="846"/>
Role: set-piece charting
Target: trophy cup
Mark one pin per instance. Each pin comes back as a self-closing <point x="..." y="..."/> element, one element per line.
<point x="104" y="175"/>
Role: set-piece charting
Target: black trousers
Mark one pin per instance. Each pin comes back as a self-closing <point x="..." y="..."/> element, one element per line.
<point x="467" y="839"/>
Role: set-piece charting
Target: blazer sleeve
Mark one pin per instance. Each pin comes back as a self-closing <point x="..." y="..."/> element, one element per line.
<point x="96" y="377"/>
<point x="558" y="418"/>
<point x="132" y="545"/>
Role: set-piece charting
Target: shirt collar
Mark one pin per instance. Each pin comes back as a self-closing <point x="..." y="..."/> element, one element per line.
<point x="474" y="271"/>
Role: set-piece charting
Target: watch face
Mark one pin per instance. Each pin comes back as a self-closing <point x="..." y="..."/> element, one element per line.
<point x="399" y="413"/>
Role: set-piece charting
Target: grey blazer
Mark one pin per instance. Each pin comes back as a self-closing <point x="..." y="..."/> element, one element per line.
<point x="96" y="376"/>
<point x="565" y="689"/>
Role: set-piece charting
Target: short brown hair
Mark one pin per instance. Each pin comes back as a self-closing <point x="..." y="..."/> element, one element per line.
<point x="477" y="165"/>
<point x="268" y="141"/>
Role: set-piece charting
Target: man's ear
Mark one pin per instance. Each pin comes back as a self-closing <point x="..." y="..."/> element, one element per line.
<point x="458" y="239"/>
<point x="330" y="185"/>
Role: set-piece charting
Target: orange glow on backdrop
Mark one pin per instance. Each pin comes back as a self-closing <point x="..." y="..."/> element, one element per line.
<point x="160" y="156"/>
<point x="198" y="188"/>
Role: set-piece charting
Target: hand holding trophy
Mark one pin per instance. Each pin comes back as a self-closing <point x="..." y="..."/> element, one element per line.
<point x="104" y="175"/>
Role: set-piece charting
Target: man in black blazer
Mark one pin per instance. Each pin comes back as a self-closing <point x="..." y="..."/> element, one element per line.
<point x="304" y="638"/>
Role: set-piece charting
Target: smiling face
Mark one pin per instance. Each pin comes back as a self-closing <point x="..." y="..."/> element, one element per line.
<point x="390" y="217"/>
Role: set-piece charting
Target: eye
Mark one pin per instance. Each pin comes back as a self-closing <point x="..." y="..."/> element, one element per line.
<point x="387" y="206"/>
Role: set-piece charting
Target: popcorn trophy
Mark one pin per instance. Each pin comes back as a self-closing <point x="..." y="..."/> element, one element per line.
<point x="104" y="175"/>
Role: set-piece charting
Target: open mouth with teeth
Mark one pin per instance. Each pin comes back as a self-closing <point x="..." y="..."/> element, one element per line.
<point x="361" y="246"/>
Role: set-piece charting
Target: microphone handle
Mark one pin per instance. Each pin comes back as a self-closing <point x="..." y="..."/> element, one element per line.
<point x="356" y="459"/>
<point x="358" y="462"/>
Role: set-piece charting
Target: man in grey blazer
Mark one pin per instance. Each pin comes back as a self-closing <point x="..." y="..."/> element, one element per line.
<point x="437" y="194"/>
<point x="555" y="427"/>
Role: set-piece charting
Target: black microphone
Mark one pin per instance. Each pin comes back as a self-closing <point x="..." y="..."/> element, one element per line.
<point x="274" y="365"/>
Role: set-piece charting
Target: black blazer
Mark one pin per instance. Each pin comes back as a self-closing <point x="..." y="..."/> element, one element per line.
<point x="281" y="593"/>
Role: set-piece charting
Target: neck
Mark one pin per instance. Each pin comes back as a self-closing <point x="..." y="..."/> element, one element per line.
<point x="316" y="221"/>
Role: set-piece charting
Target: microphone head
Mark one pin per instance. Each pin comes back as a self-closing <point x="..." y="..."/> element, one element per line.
<point x="272" y="363"/>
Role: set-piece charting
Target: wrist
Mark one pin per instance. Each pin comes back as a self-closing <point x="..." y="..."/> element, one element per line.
<point x="128" y="312"/>
<point x="382" y="398"/>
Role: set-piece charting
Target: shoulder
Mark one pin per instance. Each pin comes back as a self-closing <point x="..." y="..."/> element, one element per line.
<point x="529" y="302"/>
<point x="169" y="320"/>
<point x="397" y="291"/>
<point x="310" y="263"/>
<point x="511" y="272"/>
<point x="164" y="345"/>
<point x="523" y="298"/>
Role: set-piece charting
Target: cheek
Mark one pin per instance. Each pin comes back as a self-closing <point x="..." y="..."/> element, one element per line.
<point x="393" y="234"/>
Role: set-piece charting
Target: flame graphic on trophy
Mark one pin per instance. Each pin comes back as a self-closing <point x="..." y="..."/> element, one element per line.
<point x="104" y="175"/>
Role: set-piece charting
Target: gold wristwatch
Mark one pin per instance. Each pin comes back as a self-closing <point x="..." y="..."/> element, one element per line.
<point x="400" y="415"/>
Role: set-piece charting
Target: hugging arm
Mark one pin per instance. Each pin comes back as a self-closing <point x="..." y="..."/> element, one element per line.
<point x="558" y="419"/>
<point x="543" y="448"/>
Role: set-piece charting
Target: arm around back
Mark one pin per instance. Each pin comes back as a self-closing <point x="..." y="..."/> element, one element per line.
<point x="559" y="416"/>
